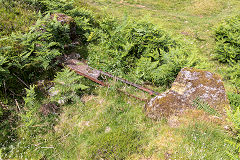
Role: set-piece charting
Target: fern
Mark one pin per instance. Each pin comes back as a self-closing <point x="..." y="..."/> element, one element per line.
<point x="234" y="100"/>
<point x="233" y="74"/>
<point x="67" y="84"/>
<point x="138" y="49"/>
<point x="31" y="54"/>
<point x="227" y="48"/>
<point x="4" y="72"/>
<point x="31" y="107"/>
<point x="227" y="40"/>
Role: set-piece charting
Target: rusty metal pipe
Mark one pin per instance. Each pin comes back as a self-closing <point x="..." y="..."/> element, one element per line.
<point x="151" y="92"/>
<point x="91" y="73"/>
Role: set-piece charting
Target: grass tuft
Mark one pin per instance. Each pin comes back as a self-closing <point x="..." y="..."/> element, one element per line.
<point x="205" y="7"/>
<point x="200" y="104"/>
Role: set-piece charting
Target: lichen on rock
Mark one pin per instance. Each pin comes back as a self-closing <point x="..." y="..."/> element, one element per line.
<point x="189" y="85"/>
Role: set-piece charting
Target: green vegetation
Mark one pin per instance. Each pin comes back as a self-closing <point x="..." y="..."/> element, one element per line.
<point x="67" y="83"/>
<point x="115" y="145"/>
<point x="139" y="49"/>
<point x="52" y="113"/>
<point x="234" y="99"/>
<point x="227" y="48"/>
<point x="41" y="113"/>
<point x="34" y="50"/>
<point x="234" y="118"/>
<point x="202" y="142"/>
<point x="200" y="104"/>
<point x="195" y="20"/>
<point x="227" y="41"/>
<point x="15" y="16"/>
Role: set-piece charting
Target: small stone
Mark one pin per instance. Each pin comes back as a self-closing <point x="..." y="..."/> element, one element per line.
<point x="108" y="129"/>
<point x="87" y="123"/>
<point x="52" y="92"/>
<point x="61" y="101"/>
<point x="173" y="122"/>
<point x="227" y="128"/>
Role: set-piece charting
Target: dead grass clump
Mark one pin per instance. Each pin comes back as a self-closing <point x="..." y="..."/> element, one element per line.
<point x="164" y="143"/>
<point x="205" y="7"/>
<point x="192" y="115"/>
<point x="87" y="98"/>
<point x="49" y="108"/>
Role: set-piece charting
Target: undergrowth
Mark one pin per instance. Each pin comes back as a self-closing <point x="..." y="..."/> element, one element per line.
<point x="227" y="48"/>
<point x="227" y="51"/>
<point x="227" y="40"/>
<point x="40" y="113"/>
<point x="234" y="119"/>
<point x="21" y="54"/>
<point x="140" y="50"/>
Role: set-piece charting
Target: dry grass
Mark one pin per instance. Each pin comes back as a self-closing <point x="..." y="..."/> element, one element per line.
<point x="163" y="142"/>
<point x="205" y="7"/>
<point x="192" y="116"/>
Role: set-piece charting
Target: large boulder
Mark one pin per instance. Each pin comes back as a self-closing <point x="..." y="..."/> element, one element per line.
<point x="190" y="84"/>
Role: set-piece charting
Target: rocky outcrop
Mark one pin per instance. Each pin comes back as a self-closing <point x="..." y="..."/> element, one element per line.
<point x="189" y="85"/>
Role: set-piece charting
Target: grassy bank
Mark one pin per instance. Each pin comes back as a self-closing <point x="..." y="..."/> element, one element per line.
<point x="16" y="16"/>
<point x="96" y="122"/>
<point x="113" y="126"/>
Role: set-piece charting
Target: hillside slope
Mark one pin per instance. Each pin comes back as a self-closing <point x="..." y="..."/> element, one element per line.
<point x="49" y="112"/>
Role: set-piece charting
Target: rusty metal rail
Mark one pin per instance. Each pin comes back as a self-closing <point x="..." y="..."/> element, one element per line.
<point x="151" y="92"/>
<point x="83" y="69"/>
